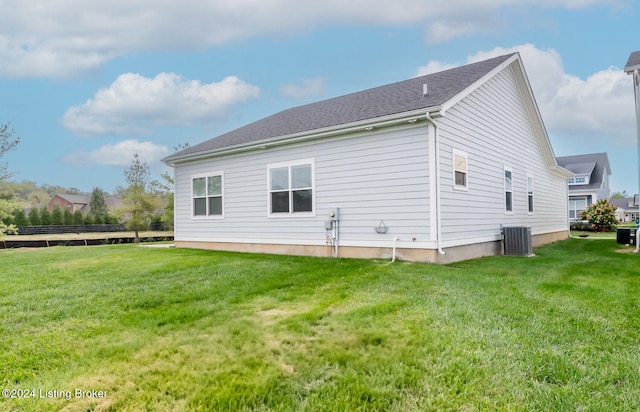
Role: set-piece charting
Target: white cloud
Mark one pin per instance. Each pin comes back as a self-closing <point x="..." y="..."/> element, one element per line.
<point x="134" y="104"/>
<point x="67" y="37"/>
<point x="306" y="88"/>
<point x="118" y="154"/>
<point x="600" y="106"/>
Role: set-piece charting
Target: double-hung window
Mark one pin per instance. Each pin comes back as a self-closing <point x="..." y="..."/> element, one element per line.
<point x="508" y="190"/>
<point x="460" y="171"/>
<point x="291" y="187"/>
<point x="207" y="195"/>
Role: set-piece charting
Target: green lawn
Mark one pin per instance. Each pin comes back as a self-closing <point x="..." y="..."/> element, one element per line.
<point x="176" y="329"/>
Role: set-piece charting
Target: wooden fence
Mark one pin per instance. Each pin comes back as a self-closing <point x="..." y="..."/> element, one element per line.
<point x="51" y="230"/>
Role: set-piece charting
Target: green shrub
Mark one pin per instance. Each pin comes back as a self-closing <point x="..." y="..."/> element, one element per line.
<point x="602" y="215"/>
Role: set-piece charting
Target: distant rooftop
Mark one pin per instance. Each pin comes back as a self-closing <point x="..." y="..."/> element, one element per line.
<point x="597" y="163"/>
<point x="633" y="62"/>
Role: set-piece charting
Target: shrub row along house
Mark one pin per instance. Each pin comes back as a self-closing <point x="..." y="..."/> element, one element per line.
<point x="431" y="168"/>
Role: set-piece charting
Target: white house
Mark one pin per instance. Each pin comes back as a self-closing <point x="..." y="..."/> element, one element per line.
<point x="429" y="168"/>
<point x="590" y="182"/>
<point x="626" y="209"/>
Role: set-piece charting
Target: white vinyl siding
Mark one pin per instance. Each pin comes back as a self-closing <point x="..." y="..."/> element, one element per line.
<point x="493" y="127"/>
<point x="370" y="176"/>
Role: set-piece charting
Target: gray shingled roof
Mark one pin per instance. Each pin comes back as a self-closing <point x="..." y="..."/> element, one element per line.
<point x="623" y="203"/>
<point x="583" y="162"/>
<point x="633" y="62"/>
<point x="395" y="98"/>
<point x="581" y="168"/>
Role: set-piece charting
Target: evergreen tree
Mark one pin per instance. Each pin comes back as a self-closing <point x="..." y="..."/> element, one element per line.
<point x="110" y="219"/>
<point x="88" y="220"/>
<point x="98" y="206"/>
<point x="78" y="218"/>
<point x="98" y="219"/>
<point x="34" y="217"/>
<point x="45" y="216"/>
<point x="67" y="216"/>
<point x="56" y="216"/>
<point x="20" y="218"/>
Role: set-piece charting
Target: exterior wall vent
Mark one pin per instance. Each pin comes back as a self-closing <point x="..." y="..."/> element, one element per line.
<point x="517" y="241"/>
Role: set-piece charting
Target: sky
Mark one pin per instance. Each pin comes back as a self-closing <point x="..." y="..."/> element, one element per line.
<point x="86" y="85"/>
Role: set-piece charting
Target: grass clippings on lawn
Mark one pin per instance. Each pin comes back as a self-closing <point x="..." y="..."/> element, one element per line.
<point x="178" y="329"/>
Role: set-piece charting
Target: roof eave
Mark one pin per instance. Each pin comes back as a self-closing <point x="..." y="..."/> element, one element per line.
<point x="359" y="126"/>
<point x="631" y="69"/>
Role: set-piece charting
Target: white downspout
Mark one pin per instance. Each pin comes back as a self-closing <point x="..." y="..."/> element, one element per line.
<point x="437" y="160"/>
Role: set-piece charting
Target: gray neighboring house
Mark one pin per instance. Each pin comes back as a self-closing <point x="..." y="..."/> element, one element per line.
<point x="590" y="182"/>
<point x="627" y="210"/>
<point x="430" y="168"/>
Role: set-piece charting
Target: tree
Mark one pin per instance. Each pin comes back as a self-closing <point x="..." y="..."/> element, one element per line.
<point x="20" y="218"/>
<point x="57" y="218"/>
<point x="602" y="215"/>
<point x="7" y="143"/>
<point x="67" y="216"/>
<point x="34" y="217"/>
<point x="7" y="203"/>
<point x="45" y="216"/>
<point x="138" y="203"/>
<point x="619" y="195"/>
<point x="78" y="219"/>
<point x="165" y="189"/>
<point x="98" y="206"/>
<point x="38" y="198"/>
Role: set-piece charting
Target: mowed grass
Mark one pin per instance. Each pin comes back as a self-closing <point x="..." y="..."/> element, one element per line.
<point x="189" y="330"/>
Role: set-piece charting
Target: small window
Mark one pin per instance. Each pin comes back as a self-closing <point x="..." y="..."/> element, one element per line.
<point x="291" y="188"/>
<point x="530" y="193"/>
<point x="207" y="195"/>
<point x="460" y="170"/>
<point x="508" y="190"/>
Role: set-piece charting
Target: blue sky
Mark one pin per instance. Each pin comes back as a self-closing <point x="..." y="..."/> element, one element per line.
<point x="85" y="85"/>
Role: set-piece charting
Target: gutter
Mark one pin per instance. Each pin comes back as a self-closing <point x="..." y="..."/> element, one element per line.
<point x="331" y="131"/>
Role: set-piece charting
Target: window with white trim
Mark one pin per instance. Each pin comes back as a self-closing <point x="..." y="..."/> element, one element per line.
<point x="508" y="190"/>
<point x="291" y="187"/>
<point x="207" y="195"/>
<point x="577" y="205"/>
<point x="460" y="170"/>
<point x="530" y="193"/>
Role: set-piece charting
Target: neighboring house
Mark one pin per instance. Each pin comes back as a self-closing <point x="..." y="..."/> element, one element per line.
<point x="80" y="202"/>
<point x="431" y="168"/>
<point x="590" y="182"/>
<point x="627" y="210"/>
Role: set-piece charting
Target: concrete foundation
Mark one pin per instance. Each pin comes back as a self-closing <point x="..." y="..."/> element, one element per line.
<point x="452" y="254"/>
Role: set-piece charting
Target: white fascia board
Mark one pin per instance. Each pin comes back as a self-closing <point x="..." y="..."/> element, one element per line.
<point x="631" y="69"/>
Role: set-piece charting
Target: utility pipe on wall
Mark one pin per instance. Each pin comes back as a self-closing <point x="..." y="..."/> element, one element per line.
<point x="393" y="254"/>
